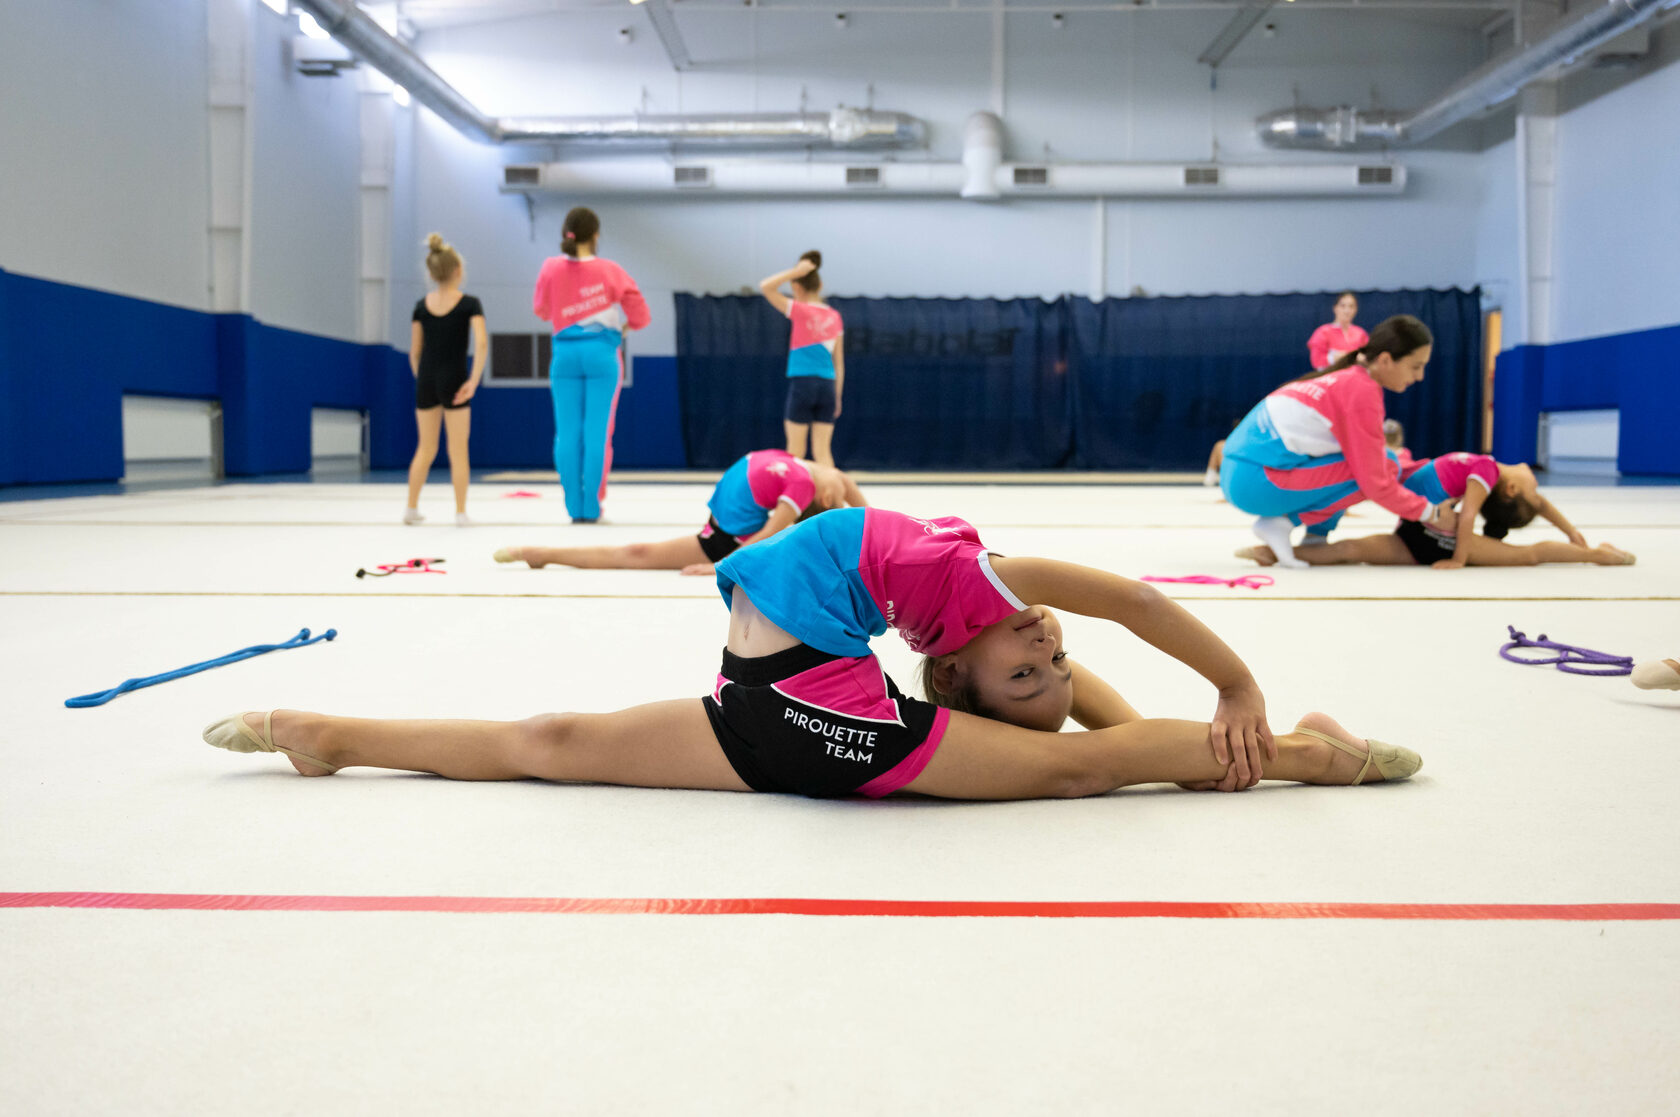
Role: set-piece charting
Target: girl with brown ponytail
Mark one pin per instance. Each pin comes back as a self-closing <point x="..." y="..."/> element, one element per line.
<point x="1315" y="447"/>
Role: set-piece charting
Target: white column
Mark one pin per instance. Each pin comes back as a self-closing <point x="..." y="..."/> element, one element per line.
<point x="378" y="170"/>
<point x="1537" y="207"/>
<point x="230" y="36"/>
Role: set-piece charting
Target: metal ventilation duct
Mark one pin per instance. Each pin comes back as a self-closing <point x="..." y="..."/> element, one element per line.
<point x="1347" y="127"/>
<point x="843" y="128"/>
<point x="846" y="128"/>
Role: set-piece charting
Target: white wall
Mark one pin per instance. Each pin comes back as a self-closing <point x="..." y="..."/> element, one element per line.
<point x="305" y="210"/>
<point x="1618" y="219"/>
<point x="1107" y="86"/>
<point x="103" y="132"/>
<point x="104" y="181"/>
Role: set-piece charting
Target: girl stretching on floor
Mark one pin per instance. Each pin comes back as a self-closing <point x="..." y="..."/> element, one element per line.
<point x="762" y="493"/>
<point x="801" y="706"/>
<point x="1315" y="447"/>
<point x="1507" y="496"/>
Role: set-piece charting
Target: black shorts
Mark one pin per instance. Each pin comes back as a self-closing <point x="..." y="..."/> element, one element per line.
<point x="810" y="399"/>
<point x="717" y="543"/>
<point x="1427" y="545"/>
<point x="805" y="722"/>
<point x="432" y="390"/>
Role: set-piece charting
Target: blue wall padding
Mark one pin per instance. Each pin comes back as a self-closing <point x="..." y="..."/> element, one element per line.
<point x="1636" y="373"/>
<point x="1143" y="383"/>
<point x="1518" y="388"/>
<point x="68" y="355"/>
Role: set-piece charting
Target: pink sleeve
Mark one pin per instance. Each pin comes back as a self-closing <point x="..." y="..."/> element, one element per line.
<point x="1318" y="347"/>
<point x="539" y="301"/>
<point x="1356" y="418"/>
<point x="1485" y="470"/>
<point x="630" y="297"/>
<point x="798" y="488"/>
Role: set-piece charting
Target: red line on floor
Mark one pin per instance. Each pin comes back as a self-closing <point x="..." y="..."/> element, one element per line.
<point x="937" y="909"/>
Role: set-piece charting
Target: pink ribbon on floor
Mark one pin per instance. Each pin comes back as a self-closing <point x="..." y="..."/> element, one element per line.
<point x="520" y="493"/>
<point x="1245" y="581"/>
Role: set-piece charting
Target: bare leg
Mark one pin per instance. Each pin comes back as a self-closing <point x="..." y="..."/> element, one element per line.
<point x="1497" y="552"/>
<point x="672" y="554"/>
<point x="795" y="438"/>
<point x="458" y="424"/>
<point x="1372" y="550"/>
<point x="428" y="421"/>
<point x="822" y="434"/>
<point x="663" y="744"/>
<point x="981" y="760"/>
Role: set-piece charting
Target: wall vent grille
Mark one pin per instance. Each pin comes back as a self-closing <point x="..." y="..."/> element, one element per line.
<point x="691" y="176"/>
<point x="1201" y="176"/>
<point x="1032" y="176"/>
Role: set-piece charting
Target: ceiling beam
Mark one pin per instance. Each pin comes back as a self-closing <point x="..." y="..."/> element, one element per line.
<point x="665" y="25"/>
<point x="1241" y="24"/>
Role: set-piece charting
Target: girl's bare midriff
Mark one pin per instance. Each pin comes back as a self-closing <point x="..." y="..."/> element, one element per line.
<point x="751" y="633"/>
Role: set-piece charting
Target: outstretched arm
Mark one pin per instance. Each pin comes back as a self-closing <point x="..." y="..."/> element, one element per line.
<point x="1474" y="496"/>
<point x="1550" y="511"/>
<point x="1239" y="729"/>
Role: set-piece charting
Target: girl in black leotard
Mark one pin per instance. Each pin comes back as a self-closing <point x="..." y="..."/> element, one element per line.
<point x="437" y="354"/>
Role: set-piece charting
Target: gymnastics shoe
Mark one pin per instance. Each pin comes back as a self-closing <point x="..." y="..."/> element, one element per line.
<point x="1392" y="762"/>
<point x="413" y="516"/>
<point x="1211" y="478"/>
<point x="233" y="734"/>
<point x="463" y="520"/>
<point x="506" y="554"/>
<point x="1658" y="674"/>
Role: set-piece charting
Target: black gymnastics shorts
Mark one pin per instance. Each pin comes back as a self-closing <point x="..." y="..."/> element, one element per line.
<point x="434" y="391"/>
<point x="810" y="399"/>
<point x="805" y="722"/>
<point x="1427" y="545"/>
<point x="717" y="543"/>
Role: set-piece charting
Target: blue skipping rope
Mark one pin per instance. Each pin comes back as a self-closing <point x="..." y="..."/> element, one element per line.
<point x="99" y="698"/>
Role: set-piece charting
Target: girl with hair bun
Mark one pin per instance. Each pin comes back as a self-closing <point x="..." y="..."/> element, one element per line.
<point x="592" y="303"/>
<point x="437" y="355"/>
<point x="816" y="366"/>
<point x="1315" y="447"/>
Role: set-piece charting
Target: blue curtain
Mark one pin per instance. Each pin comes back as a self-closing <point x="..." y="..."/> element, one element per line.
<point x="930" y="383"/>
<point x="1142" y="383"/>
<point x="1159" y="380"/>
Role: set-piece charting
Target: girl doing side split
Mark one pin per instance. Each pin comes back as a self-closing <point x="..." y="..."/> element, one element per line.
<point x="437" y="355"/>
<point x="761" y="494"/>
<point x="816" y="368"/>
<point x="1339" y="336"/>
<point x="1506" y="496"/>
<point x="1314" y="448"/>
<point x="801" y="706"/>
<point x="591" y="303"/>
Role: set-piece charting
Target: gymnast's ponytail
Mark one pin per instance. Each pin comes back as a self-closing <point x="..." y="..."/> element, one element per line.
<point x="1398" y="336"/>
<point x="581" y="227"/>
